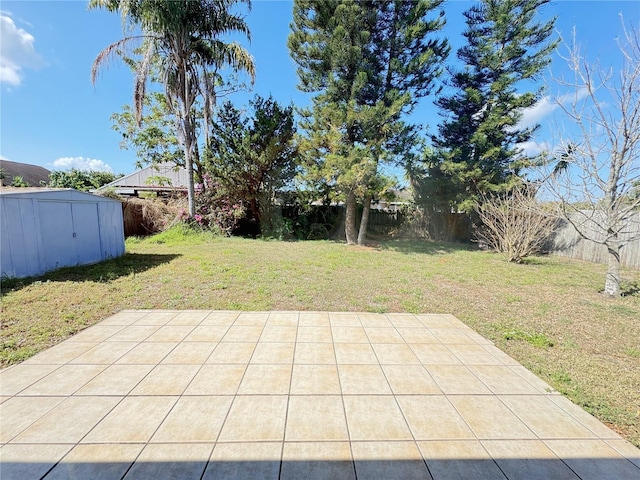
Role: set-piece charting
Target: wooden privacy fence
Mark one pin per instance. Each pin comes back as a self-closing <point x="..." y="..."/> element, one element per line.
<point x="567" y="242"/>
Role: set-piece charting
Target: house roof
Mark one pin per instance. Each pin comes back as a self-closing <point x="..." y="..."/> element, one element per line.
<point x="34" y="175"/>
<point x="174" y="178"/>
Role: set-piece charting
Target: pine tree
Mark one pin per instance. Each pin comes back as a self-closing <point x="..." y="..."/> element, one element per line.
<point x="368" y="62"/>
<point x="476" y="149"/>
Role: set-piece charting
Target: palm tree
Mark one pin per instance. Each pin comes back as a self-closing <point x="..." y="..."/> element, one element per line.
<point x="182" y="37"/>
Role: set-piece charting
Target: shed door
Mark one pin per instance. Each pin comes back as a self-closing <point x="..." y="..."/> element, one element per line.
<point x="70" y="233"/>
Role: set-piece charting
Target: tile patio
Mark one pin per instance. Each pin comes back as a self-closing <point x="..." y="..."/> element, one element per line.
<point x="287" y="395"/>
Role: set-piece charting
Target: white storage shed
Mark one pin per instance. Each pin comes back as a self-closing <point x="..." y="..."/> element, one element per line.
<point x="44" y="229"/>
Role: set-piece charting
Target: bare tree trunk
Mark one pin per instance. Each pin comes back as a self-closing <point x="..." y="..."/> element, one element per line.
<point x="350" y="218"/>
<point x="364" y="223"/>
<point x="612" y="280"/>
<point x="188" y="160"/>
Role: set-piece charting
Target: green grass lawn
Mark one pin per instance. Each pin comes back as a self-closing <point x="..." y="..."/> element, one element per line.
<point x="547" y="313"/>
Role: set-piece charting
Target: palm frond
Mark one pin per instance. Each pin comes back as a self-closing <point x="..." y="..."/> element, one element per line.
<point x="118" y="48"/>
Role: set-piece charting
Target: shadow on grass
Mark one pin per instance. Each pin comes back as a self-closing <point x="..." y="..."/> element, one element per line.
<point x="103" y="272"/>
<point x="426" y="247"/>
<point x="630" y="289"/>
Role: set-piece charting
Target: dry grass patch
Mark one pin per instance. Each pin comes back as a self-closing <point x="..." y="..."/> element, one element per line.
<point x="547" y="312"/>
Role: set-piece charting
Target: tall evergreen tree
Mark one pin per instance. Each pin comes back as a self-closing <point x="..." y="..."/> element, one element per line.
<point x="368" y="62"/>
<point x="476" y="150"/>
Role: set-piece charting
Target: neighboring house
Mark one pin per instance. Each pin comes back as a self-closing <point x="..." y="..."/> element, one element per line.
<point x="42" y="229"/>
<point x="33" y="175"/>
<point x="160" y="179"/>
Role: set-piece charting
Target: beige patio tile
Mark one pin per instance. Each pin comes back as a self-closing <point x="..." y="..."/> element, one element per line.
<point x="69" y="421"/>
<point x="527" y="460"/>
<point x="363" y="380"/>
<point x="278" y="334"/>
<point x="317" y="460"/>
<point x="20" y="462"/>
<point x="593" y="459"/>
<point x="190" y="353"/>
<point x="451" y="336"/>
<point x="166" y="380"/>
<point x="59" y="354"/>
<point x="66" y="380"/>
<point x="356" y="353"/>
<point x="500" y="355"/>
<point x="255" y="418"/>
<point x="266" y="380"/>
<point x="220" y="318"/>
<point x="116" y="380"/>
<point x="433" y="418"/>
<point x="434" y="354"/>
<point x="18" y="413"/>
<point x="104" y="353"/>
<point x="313" y="319"/>
<point x="394" y="354"/>
<point x="349" y="335"/>
<point x="102" y="461"/>
<point x="385" y="460"/>
<point x="215" y="379"/>
<point x="344" y="320"/>
<point x="254" y="319"/>
<point x="243" y="333"/>
<point x="274" y="353"/>
<point x="319" y="417"/>
<point x="315" y="353"/>
<point x="376" y="418"/>
<point x="134" y="419"/>
<point x="315" y="379"/>
<point x="410" y="380"/>
<point x="241" y="461"/>
<point x="124" y="317"/>
<point x="96" y="333"/>
<point x="532" y="379"/>
<point x="170" y="460"/>
<point x="475" y="336"/>
<point x="374" y="320"/>
<point x="284" y="319"/>
<point x="545" y="418"/>
<point x="456" y="379"/>
<point x="417" y="335"/>
<point x="189" y="317"/>
<point x="502" y="380"/>
<point x="627" y="450"/>
<point x="134" y="333"/>
<point x="157" y="317"/>
<point x="404" y="320"/>
<point x="314" y="334"/>
<point x="194" y="419"/>
<point x="171" y="333"/>
<point x="207" y="333"/>
<point x="459" y="459"/>
<point x="435" y="320"/>
<point x="586" y="419"/>
<point x="383" y="335"/>
<point x="474" y="354"/>
<point x="18" y="377"/>
<point x="482" y="413"/>
<point x="147" y="353"/>
<point x="239" y="353"/>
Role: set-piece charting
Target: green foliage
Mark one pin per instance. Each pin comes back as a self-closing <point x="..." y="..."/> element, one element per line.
<point x="477" y="149"/>
<point x="18" y="181"/>
<point x="539" y="340"/>
<point x="82" y="180"/>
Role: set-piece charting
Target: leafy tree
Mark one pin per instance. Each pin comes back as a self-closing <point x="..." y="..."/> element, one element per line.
<point x="253" y="157"/>
<point x="368" y="62"/>
<point x="82" y="180"/>
<point x="183" y="38"/>
<point x="476" y="150"/>
<point x="18" y="181"/>
<point x="597" y="177"/>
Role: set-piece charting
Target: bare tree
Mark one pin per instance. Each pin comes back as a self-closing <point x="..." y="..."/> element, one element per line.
<point x="600" y="166"/>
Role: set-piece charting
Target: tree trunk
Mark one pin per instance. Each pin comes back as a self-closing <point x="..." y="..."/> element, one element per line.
<point x="612" y="281"/>
<point x="350" y="218"/>
<point x="188" y="160"/>
<point x="364" y="223"/>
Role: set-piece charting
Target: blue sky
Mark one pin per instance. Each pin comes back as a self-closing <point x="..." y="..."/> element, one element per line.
<point x="51" y="114"/>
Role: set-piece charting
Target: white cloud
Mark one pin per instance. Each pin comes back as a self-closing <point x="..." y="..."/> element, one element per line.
<point x="16" y="51"/>
<point x="81" y="163"/>
<point x="533" y="148"/>
<point x="547" y="105"/>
